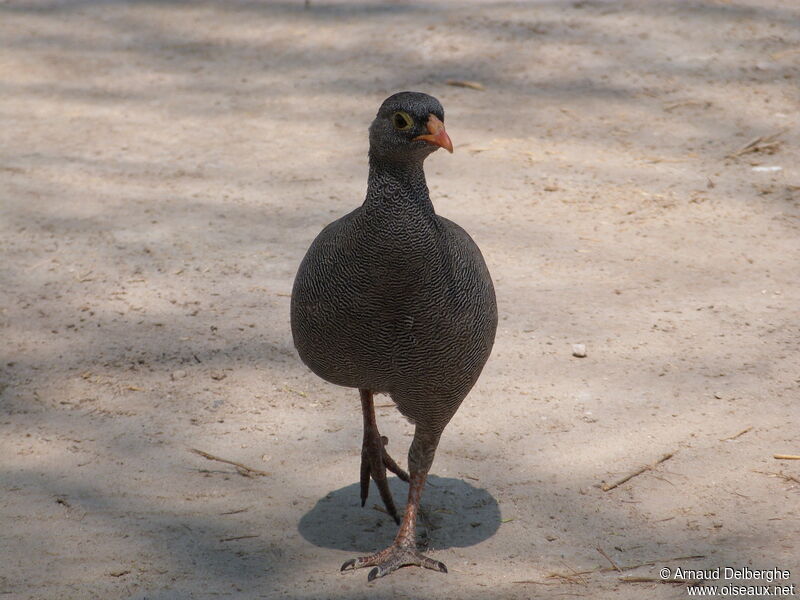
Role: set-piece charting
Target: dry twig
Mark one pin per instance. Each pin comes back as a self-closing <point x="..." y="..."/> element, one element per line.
<point x="567" y="578"/>
<point x="782" y="475"/>
<point x="473" y="85"/>
<point x="239" y="537"/>
<point x="581" y="580"/>
<point x="786" y="456"/>
<point x="664" y="479"/>
<point x="380" y="509"/>
<point x="733" y="437"/>
<point x="759" y="144"/>
<point x="243" y="470"/>
<point x="235" y="512"/>
<point x="618" y="568"/>
<point x="672" y="106"/>
<point x="608" y="558"/>
<point x="606" y="486"/>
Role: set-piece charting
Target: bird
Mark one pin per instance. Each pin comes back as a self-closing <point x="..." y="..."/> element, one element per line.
<point x="394" y="299"/>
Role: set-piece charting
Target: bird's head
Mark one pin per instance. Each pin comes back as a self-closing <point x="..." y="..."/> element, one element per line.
<point x="408" y="127"/>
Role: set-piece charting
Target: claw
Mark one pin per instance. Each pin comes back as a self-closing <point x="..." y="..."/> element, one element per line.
<point x="348" y="564"/>
<point x="392" y="558"/>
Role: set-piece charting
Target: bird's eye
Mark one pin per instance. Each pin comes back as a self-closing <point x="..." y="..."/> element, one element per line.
<point x="402" y="121"/>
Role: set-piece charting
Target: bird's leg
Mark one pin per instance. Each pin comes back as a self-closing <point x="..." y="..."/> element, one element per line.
<point x="374" y="458"/>
<point x="403" y="552"/>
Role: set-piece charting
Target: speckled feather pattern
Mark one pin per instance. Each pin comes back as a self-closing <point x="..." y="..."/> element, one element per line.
<point x="394" y="298"/>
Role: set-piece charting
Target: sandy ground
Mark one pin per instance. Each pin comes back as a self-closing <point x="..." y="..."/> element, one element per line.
<point x="165" y="166"/>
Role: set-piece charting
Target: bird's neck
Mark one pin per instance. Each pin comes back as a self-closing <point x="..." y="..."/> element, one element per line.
<point x="397" y="186"/>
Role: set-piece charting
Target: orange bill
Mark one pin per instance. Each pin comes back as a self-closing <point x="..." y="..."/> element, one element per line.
<point x="436" y="134"/>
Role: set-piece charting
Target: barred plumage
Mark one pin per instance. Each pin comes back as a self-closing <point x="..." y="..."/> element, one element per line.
<point x="394" y="298"/>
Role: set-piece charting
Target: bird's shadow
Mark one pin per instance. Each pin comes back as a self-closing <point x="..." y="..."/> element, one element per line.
<point x="453" y="513"/>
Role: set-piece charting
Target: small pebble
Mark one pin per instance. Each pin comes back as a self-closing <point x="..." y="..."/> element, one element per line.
<point x="579" y="350"/>
<point x="179" y="374"/>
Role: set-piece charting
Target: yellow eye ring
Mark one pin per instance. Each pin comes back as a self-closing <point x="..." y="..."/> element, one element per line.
<point x="402" y="121"/>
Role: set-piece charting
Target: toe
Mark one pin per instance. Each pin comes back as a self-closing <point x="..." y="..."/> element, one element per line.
<point x="391" y="559"/>
<point x="349" y="564"/>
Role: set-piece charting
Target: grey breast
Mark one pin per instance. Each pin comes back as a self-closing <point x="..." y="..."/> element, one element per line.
<point x="396" y="304"/>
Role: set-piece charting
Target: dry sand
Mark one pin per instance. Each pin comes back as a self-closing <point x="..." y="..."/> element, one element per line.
<point x="165" y="166"/>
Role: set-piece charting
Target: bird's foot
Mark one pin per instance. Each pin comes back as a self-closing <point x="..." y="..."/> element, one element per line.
<point x="374" y="462"/>
<point x="391" y="559"/>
